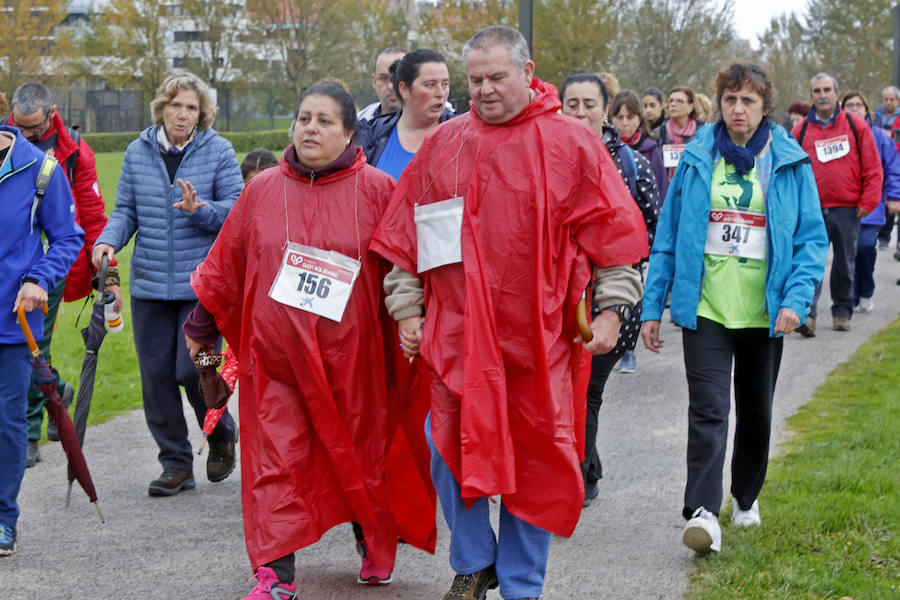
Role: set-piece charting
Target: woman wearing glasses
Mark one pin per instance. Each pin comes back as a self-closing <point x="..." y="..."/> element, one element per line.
<point x="679" y="129"/>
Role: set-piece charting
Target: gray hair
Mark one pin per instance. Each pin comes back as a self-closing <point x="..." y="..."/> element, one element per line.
<point x="891" y="89"/>
<point x="31" y="97"/>
<point x="821" y="76"/>
<point x="497" y="35"/>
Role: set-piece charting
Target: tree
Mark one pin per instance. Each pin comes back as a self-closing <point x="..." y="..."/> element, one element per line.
<point x="33" y="47"/>
<point x="212" y="52"/>
<point x="308" y="40"/>
<point x="665" y="43"/>
<point x="126" y="45"/>
<point x="786" y="55"/>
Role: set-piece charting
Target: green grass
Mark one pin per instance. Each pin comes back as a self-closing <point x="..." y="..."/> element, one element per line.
<point x="831" y="503"/>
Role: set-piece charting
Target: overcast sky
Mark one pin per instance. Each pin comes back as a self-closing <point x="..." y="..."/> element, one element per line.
<point x="751" y="17"/>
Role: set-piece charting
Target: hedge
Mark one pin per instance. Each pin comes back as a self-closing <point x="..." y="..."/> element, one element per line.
<point x="243" y="141"/>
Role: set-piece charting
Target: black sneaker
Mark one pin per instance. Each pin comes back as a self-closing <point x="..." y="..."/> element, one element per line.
<point x="171" y="482"/>
<point x="32" y="454"/>
<point x="220" y="461"/>
<point x="474" y="586"/>
<point x="67" y="397"/>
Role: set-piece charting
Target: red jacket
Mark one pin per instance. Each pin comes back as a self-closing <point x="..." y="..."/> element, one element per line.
<point x="542" y="200"/>
<point x="852" y="180"/>
<point x="90" y="210"/>
<point x="326" y="435"/>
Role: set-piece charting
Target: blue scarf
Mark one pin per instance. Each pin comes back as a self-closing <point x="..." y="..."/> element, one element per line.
<point x="742" y="157"/>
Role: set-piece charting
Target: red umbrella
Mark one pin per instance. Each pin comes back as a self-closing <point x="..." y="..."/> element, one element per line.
<point x="229" y="375"/>
<point x="46" y="381"/>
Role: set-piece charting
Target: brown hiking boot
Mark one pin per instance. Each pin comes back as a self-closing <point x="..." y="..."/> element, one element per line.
<point x="171" y="482"/>
<point x="472" y="587"/>
<point x="220" y="462"/>
<point x="841" y="324"/>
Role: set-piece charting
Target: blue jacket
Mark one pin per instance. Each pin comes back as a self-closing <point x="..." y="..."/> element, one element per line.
<point x="373" y="135"/>
<point x="883" y="121"/>
<point x="797" y="241"/>
<point x="171" y="243"/>
<point x="21" y="249"/>
<point x="890" y="164"/>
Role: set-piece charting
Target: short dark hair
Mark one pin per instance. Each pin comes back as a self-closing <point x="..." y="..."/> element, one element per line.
<point x="584" y="77"/>
<point x="340" y="96"/>
<point x="656" y="93"/>
<point x="629" y="99"/>
<point x="407" y="68"/>
<point x="257" y="160"/>
<point x="739" y="74"/>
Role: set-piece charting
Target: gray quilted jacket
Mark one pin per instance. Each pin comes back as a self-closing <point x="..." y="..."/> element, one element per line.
<point x="171" y="243"/>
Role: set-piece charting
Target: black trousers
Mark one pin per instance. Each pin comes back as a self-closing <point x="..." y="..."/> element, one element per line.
<point x="601" y="366"/>
<point x="166" y="365"/>
<point x="708" y="354"/>
<point x="842" y="226"/>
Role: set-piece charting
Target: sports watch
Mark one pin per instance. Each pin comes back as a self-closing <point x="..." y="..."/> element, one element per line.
<point x="623" y="310"/>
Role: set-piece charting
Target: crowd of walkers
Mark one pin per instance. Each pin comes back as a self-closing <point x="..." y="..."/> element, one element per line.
<point x="427" y="304"/>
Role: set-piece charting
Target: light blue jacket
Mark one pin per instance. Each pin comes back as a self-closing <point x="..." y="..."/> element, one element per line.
<point x="797" y="241"/>
<point x="171" y="243"/>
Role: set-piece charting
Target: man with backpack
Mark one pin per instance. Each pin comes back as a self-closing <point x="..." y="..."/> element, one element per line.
<point x="28" y="275"/>
<point x="35" y="115"/>
<point x="848" y="175"/>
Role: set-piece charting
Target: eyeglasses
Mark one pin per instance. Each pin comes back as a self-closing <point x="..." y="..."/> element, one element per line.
<point x="856" y="104"/>
<point x="39" y="128"/>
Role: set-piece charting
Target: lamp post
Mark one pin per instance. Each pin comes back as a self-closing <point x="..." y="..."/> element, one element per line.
<point x="526" y="24"/>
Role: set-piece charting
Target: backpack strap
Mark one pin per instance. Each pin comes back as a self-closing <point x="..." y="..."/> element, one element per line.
<point x="802" y="132"/>
<point x="48" y="164"/>
<point x="626" y="157"/>
<point x="72" y="160"/>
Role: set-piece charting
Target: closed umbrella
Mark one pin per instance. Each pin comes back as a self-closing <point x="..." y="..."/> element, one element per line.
<point x="215" y="387"/>
<point x="46" y="381"/>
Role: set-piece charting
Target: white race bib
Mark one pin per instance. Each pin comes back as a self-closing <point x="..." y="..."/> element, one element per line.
<point x="314" y="280"/>
<point x="735" y="233"/>
<point x="832" y="148"/>
<point x="438" y="233"/>
<point x="672" y="154"/>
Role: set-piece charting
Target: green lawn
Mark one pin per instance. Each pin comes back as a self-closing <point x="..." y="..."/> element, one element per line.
<point x="831" y="504"/>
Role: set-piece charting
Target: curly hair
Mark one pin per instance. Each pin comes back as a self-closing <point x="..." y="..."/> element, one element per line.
<point x="176" y="83"/>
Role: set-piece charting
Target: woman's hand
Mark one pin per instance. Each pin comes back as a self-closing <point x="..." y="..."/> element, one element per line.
<point x="31" y="295"/>
<point x="117" y="293"/>
<point x="188" y="202"/>
<point x="410" y="336"/>
<point x="99" y="251"/>
<point x="606" y="333"/>
<point x="193" y="347"/>
<point x="786" y="322"/>
<point x="650" y="335"/>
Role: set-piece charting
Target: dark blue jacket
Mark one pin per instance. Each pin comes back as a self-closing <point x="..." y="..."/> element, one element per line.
<point x="373" y="135"/>
<point x="21" y="249"/>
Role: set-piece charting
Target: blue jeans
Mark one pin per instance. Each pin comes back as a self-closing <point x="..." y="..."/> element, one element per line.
<point x="519" y="553"/>
<point x="15" y="375"/>
<point x="863" y="279"/>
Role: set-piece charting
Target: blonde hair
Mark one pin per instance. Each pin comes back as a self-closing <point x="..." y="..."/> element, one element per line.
<point x="4" y="106"/>
<point x="704" y="107"/>
<point x="184" y="81"/>
<point x="611" y="82"/>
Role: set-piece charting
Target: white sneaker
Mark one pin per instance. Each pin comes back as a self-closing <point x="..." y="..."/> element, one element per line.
<point x="745" y="518"/>
<point x="865" y="305"/>
<point x="702" y="533"/>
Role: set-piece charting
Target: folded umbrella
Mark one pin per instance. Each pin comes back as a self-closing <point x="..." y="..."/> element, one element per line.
<point x="215" y="387"/>
<point x="93" y="336"/>
<point x="46" y="381"/>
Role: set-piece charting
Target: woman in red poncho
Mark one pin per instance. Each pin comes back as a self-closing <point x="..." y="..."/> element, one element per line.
<point x="291" y="286"/>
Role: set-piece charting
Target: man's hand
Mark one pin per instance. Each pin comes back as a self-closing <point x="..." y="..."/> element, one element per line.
<point x="188" y="202"/>
<point x="193" y="347"/>
<point x="99" y="251"/>
<point x="606" y="333"/>
<point x="650" y="335"/>
<point x="410" y="336"/>
<point x="861" y="212"/>
<point x="786" y="322"/>
<point x="31" y="295"/>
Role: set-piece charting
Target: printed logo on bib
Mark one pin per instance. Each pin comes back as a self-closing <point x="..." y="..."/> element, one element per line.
<point x="672" y="154"/>
<point x="734" y="233"/>
<point x="314" y="280"/>
<point x="832" y="148"/>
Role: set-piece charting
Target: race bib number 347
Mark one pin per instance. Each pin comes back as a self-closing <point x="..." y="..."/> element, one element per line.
<point x="314" y="280"/>
<point x="734" y="233"/>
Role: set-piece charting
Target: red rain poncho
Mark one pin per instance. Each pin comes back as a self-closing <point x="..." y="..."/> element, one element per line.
<point x="323" y="435"/>
<point x="542" y="199"/>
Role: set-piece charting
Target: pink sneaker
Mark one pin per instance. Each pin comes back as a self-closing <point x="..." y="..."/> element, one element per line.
<point x="369" y="574"/>
<point x="269" y="588"/>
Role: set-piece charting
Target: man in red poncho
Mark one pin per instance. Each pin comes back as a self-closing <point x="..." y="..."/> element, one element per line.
<point x="499" y="217"/>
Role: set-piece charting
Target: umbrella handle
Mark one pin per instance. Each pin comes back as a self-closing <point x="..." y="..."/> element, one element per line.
<point x="101" y="278"/>
<point x="581" y="315"/>
<point x="26" y="329"/>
